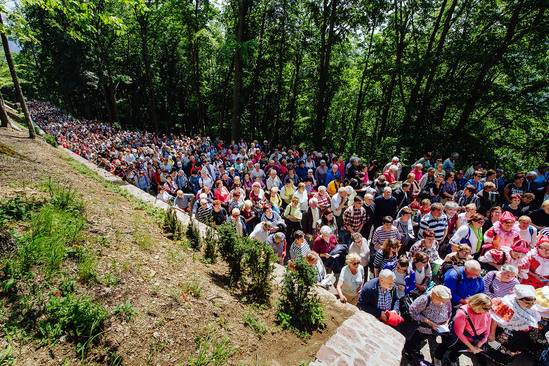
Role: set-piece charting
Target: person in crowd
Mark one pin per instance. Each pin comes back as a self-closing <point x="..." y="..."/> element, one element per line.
<point x="493" y="216"/>
<point x="387" y="253"/>
<point x="353" y="220"/>
<point x="384" y="232"/>
<point x="299" y="247"/>
<point x="222" y="194"/>
<point x="501" y="283"/>
<point x="219" y="214"/>
<point x="415" y="189"/>
<point x="431" y="310"/>
<point x="540" y="217"/>
<point x="325" y="243"/>
<point x="390" y="174"/>
<point x="434" y="189"/>
<point x="538" y="275"/>
<point x="405" y="228"/>
<point x="449" y="188"/>
<point x="460" y="181"/>
<point x="310" y="219"/>
<point x="416" y="173"/>
<point x="277" y="241"/>
<point x="182" y="201"/>
<point x="351" y="280"/>
<point x="262" y="231"/>
<point x="470" y="209"/>
<point x="422" y="271"/>
<point x="323" y="198"/>
<point x="303" y="196"/>
<point x="204" y="213"/>
<point x="467" y="196"/>
<point x="541" y="195"/>
<point x="427" y="178"/>
<point x="293" y="216"/>
<point x="515" y="187"/>
<point x="427" y="245"/>
<point x="513" y="315"/>
<point x="163" y="195"/>
<point x="488" y="197"/>
<point x="459" y="257"/>
<point x="395" y="161"/>
<point x="287" y="192"/>
<point x="448" y="164"/>
<point x="249" y="216"/>
<point x="274" y="218"/>
<point x="321" y="172"/>
<point x="464" y="281"/>
<point x="370" y="208"/>
<point x="502" y="234"/>
<point x="405" y="277"/>
<point x="471" y="327"/>
<point x="470" y="234"/>
<point x="513" y="206"/>
<point x="142" y="181"/>
<point x="314" y="260"/>
<point x="527" y="231"/>
<point x="454" y="221"/>
<point x="359" y="246"/>
<point x="378" y="296"/>
<point x="435" y="220"/>
<point x="273" y="180"/>
<point x="386" y="205"/>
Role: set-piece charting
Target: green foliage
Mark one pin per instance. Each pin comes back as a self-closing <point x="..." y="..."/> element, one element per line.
<point x="258" y="270"/>
<point x="87" y="268"/>
<point x="64" y="197"/>
<point x="77" y="316"/>
<point x="193" y="288"/>
<point x="212" y="350"/>
<point x="253" y="322"/>
<point x="171" y="224"/>
<point x="210" y="246"/>
<point x="193" y="235"/>
<point x="51" y="140"/>
<point x="232" y="251"/>
<point x="299" y="308"/>
<point x="17" y="208"/>
<point x="125" y="311"/>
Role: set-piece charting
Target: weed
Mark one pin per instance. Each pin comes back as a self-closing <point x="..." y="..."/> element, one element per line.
<point x="87" y="268"/>
<point x="64" y="197"/>
<point x="5" y="356"/>
<point x="193" y="288"/>
<point x="110" y="279"/>
<point x="125" y="311"/>
<point x="51" y="140"/>
<point x="142" y="237"/>
<point x="210" y="247"/>
<point x="253" y="322"/>
<point x="67" y="285"/>
<point x="17" y="209"/>
<point x="77" y="316"/>
<point x="212" y="350"/>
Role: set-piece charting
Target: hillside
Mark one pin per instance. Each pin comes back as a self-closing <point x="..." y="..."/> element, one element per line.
<point x="163" y="304"/>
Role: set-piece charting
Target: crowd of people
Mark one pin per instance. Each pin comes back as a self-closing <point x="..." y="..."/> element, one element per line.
<point x="433" y="250"/>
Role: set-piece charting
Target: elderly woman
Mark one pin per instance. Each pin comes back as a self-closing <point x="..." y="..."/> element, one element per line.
<point x="249" y="216"/>
<point x="469" y="329"/>
<point x="470" y="234"/>
<point x="501" y="283"/>
<point x="430" y="310"/>
<point x="323" y="198"/>
<point x="222" y="193"/>
<point x="450" y="187"/>
<point x="459" y="257"/>
<point x="386" y="254"/>
<point x="325" y="242"/>
<point x="256" y="195"/>
<point x="427" y="245"/>
<point x="414" y="190"/>
<point x="299" y="247"/>
<point x="351" y="280"/>
<point x="360" y="247"/>
<point x="303" y="196"/>
<point x="467" y="196"/>
<point x="512" y="317"/>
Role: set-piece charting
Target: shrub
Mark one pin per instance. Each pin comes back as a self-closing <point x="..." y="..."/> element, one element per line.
<point x="299" y="308"/>
<point x="51" y="140"/>
<point x="231" y="250"/>
<point x="210" y="247"/>
<point x="171" y="224"/>
<point x="17" y="209"/>
<point x="193" y="236"/>
<point x="258" y="270"/>
<point x="77" y="316"/>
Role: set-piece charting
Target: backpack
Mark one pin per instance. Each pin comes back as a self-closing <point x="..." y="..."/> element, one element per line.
<point x="445" y="268"/>
<point x="405" y="304"/>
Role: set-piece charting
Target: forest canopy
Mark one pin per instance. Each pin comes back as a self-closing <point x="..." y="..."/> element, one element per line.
<point x="370" y="77"/>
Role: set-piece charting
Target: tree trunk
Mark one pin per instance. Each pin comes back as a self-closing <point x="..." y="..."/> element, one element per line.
<point x="5" y="122"/>
<point x="195" y="56"/>
<point x="237" y="87"/>
<point x="224" y="104"/>
<point x="18" y="90"/>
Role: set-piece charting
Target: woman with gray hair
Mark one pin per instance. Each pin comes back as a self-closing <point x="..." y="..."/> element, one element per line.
<point x="502" y="282"/>
<point x="277" y="241"/>
<point x="351" y="280"/>
<point x="431" y="310"/>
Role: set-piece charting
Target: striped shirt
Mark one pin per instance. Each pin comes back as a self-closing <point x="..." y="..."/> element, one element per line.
<point x="380" y="236"/>
<point x="302" y="251"/>
<point x="495" y="288"/>
<point x="380" y="260"/>
<point x="437" y="225"/>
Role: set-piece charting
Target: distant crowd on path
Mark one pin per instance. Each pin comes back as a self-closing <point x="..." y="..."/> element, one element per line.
<point x="460" y="253"/>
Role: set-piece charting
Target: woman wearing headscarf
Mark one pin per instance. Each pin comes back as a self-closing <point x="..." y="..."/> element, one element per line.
<point x="538" y="275"/>
<point x="503" y="234"/>
<point x="513" y="316"/>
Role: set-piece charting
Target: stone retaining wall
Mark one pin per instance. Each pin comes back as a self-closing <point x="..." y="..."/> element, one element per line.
<point x="360" y="340"/>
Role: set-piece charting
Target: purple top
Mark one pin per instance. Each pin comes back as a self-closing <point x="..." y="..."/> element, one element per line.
<point x="495" y="288"/>
<point x="423" y="307"/>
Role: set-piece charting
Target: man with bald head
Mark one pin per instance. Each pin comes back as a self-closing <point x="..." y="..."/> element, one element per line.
<point x="464" y="281"/>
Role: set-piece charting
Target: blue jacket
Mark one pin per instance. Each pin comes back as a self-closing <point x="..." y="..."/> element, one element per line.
<point x="330" y="176"/>
<point x="142" y="182"/>
<point x="410" y="278"/>
<point x="367" y="300"/>
<point x="465" y="287"/>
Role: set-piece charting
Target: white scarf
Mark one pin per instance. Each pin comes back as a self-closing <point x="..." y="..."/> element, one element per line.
<point x="522" y="319"/>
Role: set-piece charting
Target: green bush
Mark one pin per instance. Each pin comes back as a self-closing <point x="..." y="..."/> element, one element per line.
<point x="299" y="308"/>
<point x="125" y="311"/>
<point x="193" y="235"/>
<point x="210" y="246"/>
<point x="258" y="270"/>
<point x="51" y="140"/>
<point x="232" y="252"/>
<point x="171" y="224"/>
<point x="77" y="316"/>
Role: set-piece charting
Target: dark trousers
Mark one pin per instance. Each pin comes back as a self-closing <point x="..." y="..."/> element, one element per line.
<point x="413" y="345"/>
<point x="450" y="343"/>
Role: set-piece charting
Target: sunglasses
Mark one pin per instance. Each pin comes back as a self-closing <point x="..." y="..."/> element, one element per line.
<point x="425" y="262"/>
<point x="488" y="308"/>
<point x="528" y="300"/>
<point x="355" y="263"/>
